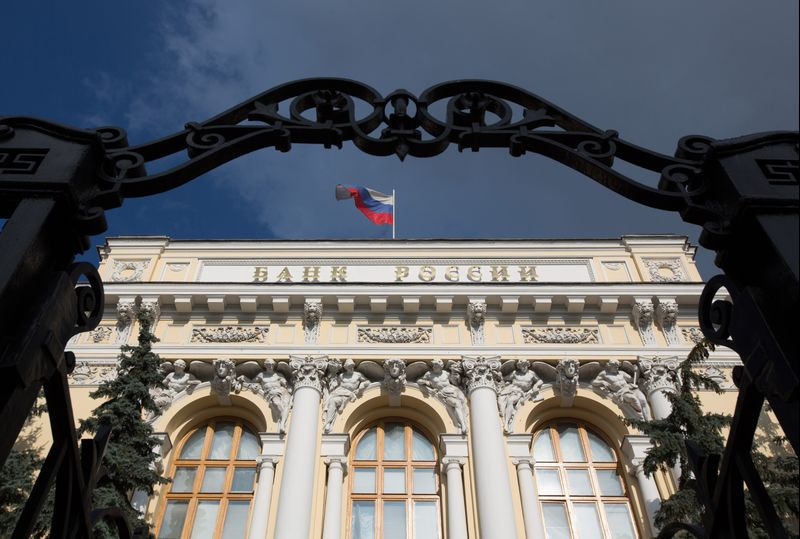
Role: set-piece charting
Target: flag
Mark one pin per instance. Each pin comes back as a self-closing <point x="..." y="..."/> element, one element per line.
<point x="378" y="207"/>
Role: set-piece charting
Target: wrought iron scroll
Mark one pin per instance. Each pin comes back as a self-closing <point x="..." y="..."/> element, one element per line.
<point x="56" y="183"/>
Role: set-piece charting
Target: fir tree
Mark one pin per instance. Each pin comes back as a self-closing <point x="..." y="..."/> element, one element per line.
<point x="129" y="458"/>
<point x="779" y="472"/>
<point x="686" y="422"/>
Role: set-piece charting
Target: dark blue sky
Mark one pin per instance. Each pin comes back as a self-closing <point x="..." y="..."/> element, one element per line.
<point x="654" y="71"/>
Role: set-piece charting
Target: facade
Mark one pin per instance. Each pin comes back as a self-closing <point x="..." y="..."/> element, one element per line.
<point x="427" y="389"/>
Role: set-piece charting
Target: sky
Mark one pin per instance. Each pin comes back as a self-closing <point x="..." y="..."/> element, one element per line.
<point x="653" y="71"/>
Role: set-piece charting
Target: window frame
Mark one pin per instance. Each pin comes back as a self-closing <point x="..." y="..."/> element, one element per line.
<point x="597" y="498"/>
<point x="379" y="464"/>
<point x="194" y="497"/>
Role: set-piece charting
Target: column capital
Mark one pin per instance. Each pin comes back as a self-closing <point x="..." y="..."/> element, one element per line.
<point x="481" y="372"/>
<point x="658" y="373"/>
<point x="272" y="444"/>
<point x="635" y="447"/>
<point x="448" y="463"/>
<point x="267" y="460"/>
<point x="523" y="462"/>
<point x="308" y="371"/>
<point x="453" y="446"/>
<point x="519" y="445"/>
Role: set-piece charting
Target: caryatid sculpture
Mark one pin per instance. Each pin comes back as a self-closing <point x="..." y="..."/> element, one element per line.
<point x="621" y="388"/>
<point x="275" y="389"/>
<point x="444" y="386"/>
<point x="343" y="388"/>
<point x="521" y="385"/>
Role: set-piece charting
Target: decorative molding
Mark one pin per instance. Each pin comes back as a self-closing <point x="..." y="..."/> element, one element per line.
<point x="229" y="334"/>
<point x="136" y="267"/>
<point x="658" y="374"/>
<point x="312" y="314"/>
<point x="476" y="319"/>
<point x="692" y="335"/>
<point x="394" y="379"/>
<point x="225" y="380"/>
<point x="308" y="372"/>
<point x="101" y="334"/>
<point x="566" y="382"/>
<point x="177" y="266"/>
<point x="642" y="314"/>
<point x="395" y="335"/>
<point x="561" y="335"/>
<point x="667" y="317"/>
<point x="719" y="376"/>
<point x="151" y="310"/>
<point x="88" y="373"/>
<point x="481" y="372"/>
<point x="673" y="265"/>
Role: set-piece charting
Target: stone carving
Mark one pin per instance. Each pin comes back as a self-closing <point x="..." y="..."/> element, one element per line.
<point x="150" y="310"/>
<point x="177" y="380"/>
<point x="308" y="372"/>
<point x="312" y="314"/>
<point x="642" y="313"/>
<point x="561" y="335"/>
<point x="128" y="271"/>
<point x="101" y="334"/>
<point x="444" y="385"/>
<point x="621" y="388"/>
<point x="566" y="384"/>
<point x="673" y="267"/>
<point x="126" y="312"/>
<point x="614" y="266"/>
<point x="394" y="377"/>
<point x="481" y="372"/>
<point x="657" y="374"/>
<point x="225" y="380"/>
<point x="667" y="316"/>
<point x="177" y="266"/>
<point x="521" y="385"/>
<point x="343" y="387"/>
<point x="717" y="376"/>
<point x="229" y="334"/>
<point x="88" y="374"/>
<point x="395" y="335"/>
<point x="476" y="317"/>
<point x="273" y="386"/>
<point x="692" y="335"/>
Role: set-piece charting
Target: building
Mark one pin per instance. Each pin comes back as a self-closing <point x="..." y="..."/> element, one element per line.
<point x="427" y="389"/>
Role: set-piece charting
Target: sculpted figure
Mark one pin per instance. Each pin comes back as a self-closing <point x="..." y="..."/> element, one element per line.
<point x="224" y="380"/>
<point x="312" y="313"/>
<point x="275" y="389"/>
<point x="476" y="315"/>
<point x="437" y="381"/>
<point x="344" y="387"/>
<point x="394" y="378"/>
<point x="521" y="384"/>
<point x="176" y="381"/>
<point x="619" y="386"/>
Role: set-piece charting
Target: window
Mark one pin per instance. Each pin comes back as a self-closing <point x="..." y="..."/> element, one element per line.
<point x="212" y="483"/>
<point x="580" y="484"/>
<point x="394" y="486"/>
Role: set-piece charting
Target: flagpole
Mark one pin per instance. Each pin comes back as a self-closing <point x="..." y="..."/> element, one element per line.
<point x="394" y="214"/>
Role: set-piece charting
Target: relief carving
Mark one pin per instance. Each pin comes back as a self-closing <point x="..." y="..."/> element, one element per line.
<point x="444" y="385"/>
<point x="521" y="385"/>
<point x="667" y="315"/>
<point x="312" y="314"/>
<point x="225" y="380"/>
<point x="128" y="271"/>
<point x="101" y="334"/>
<point x="619" y="386"/>
<point x="229" y="334"/>
<point x="665" y="271"/>
<point x="395" y="335"/>
<point x="270" y="384"/>
<point x="343" y="387"/>
<point x="692" y="335"/>
<point x="90" y="374"/>
<point x="642" y="313"/>
<point x="561" y="335"/>
<point x="476" y="318"/>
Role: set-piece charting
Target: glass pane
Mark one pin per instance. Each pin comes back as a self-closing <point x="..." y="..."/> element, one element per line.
<point x="222" y="442"/>
<point x="184" y="479"/>
<point x="194" y="445"/>
<point x="609" y="483"/>
<point x="364" y="480"/>
<point x="543" y="447"/>
<point x="243" y="479"/>
<point x="394" y="446"/>
<point x="619" y="521"/>
<point x="555" y="521"/>
<point x="236" y="520"/>
<point x="174" y="515"/>
<point x="579" y="483"/>
<point x="394" y="520"/>
<point x="424" y="481"/>
<point x="248" y="446"/>
<point x="548" y="482"/>
<point x="421" y="447"/>
<point x="213" y="480"/>
<point x="394" y="480"/>
<point x="571" y="450"/>
<point x="363" y="523"/>
<point x="426" y="520"/>
<point x="600" y="450"/>
<point x="366" y="446"/>
<point x="205" y="519"/>
<point x="586" y="521"/>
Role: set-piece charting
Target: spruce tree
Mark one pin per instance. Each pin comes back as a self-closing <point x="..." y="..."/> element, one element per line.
<point x="129" y="458"/>
<point x="686" y="422"/>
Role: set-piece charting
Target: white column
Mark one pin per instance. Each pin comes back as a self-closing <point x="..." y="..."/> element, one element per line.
<point x="334" y="451"/>
<point x="519" y="449"/>
<point x="140" y="499"/>
<point x="635" y="448"/>
<point x="454" y="448"/>
<point x="492" y="483"/>
<point x="272" y="445"/>
<point x="297" y="483"/>
<point x="658" y="379"/>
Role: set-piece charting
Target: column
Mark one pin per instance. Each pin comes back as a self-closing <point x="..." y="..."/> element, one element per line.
<point x="454" y="450"/>
<point x="635" y="448"/>
<point x="297" y="484"/>
<point x="272" y="445"/>
<point x="140" y="499"/>
<point x="334" y="452"/>
<point x="492" y="483"/>
<point x="658" y="378"/>
<point x="519" y="449"/>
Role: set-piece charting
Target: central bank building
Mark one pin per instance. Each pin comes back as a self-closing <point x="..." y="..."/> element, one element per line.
<point x="404" y="389"/>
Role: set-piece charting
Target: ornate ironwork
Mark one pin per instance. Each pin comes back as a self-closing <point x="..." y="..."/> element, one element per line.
<point x="56" y="183"/>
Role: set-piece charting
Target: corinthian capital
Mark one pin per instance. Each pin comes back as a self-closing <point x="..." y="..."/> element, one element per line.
<point x="481" y="372"/>
<point x="308" y="372"/>
<point x="658" y="374"/>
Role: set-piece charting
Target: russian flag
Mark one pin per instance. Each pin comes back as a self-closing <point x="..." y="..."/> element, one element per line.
<point x="378" y="207"/>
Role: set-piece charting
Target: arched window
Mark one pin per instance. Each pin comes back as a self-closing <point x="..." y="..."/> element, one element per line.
<point x="394" y="485"/>
<point x="212" y="483"/>
<point x="581" y="487"/>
